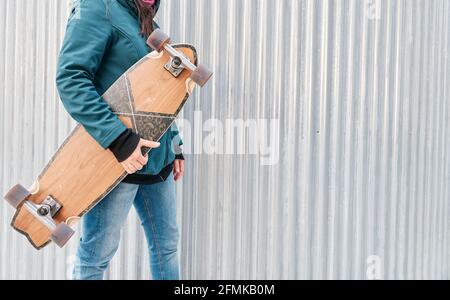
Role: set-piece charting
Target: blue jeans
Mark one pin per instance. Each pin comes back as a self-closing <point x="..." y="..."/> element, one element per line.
<point x="101" y="228"/>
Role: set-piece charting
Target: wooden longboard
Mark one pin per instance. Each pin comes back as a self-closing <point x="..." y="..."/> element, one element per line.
<point x="147" y="98"/>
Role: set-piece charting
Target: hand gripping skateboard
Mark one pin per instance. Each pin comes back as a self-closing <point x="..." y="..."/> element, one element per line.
<point x="147" y="98"/>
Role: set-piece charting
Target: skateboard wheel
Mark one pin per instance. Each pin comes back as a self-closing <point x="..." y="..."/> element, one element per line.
<point x="62" y="234"/>
<point x="17" y="195"/>
<point x="201" y="75"/>
<point x="157" y="40"/>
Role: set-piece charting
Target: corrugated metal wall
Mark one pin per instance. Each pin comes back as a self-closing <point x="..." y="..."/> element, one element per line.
<point x="361" y="92"/>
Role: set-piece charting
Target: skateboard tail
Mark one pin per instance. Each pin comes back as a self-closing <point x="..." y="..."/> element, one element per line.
<point x="38" y="245"/>
<point x="60" y="235"/>
<point x="37" y="222"/>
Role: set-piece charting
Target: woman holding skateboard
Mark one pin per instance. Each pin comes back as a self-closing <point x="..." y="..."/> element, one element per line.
<point x="104" y="39"/>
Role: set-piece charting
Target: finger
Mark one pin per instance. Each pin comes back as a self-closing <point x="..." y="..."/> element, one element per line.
<point x="182" y="166"/>
<point x="131" y="166"/>
<point x="142" y="160"/>
<point x="136" y="166"/>
<point x="145" y="161"/>
<point x="176" y="176"/>
<point x="149" y="144"/>
<point x="176" y="166"/>
<point x="128" y="169"/>
<point x="134" y="170"/>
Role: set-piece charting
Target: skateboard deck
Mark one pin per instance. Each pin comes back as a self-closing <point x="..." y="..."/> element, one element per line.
<point x="147" y="98"/>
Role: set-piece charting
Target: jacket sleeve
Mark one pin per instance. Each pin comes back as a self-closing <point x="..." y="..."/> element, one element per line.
<point x="87" y="37"/>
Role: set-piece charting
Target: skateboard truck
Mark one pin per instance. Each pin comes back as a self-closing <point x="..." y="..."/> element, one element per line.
<point x="49" y="207"/>
<point x="178" y="62"/>
<point x="175" y="66"/>
<point x="45" y="213"/>
<point x="61" y="233"/>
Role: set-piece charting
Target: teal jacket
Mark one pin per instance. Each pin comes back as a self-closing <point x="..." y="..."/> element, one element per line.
<point x="103" y="41"/>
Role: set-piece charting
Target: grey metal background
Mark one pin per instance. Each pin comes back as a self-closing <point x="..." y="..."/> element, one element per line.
<point x="362" y="96"/>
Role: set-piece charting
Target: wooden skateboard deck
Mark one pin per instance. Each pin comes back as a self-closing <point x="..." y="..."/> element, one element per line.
<point x="147" y="98"/>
